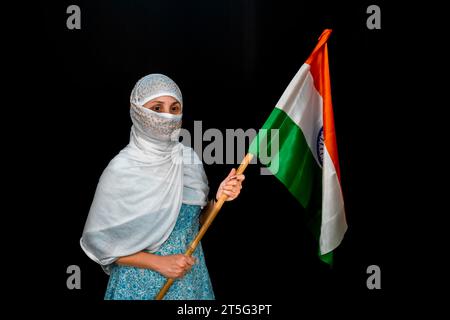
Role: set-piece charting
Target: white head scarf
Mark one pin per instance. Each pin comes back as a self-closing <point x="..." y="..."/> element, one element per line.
<point x="139" y="194"/>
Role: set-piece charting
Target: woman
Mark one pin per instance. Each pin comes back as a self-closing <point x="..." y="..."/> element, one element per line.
<point x="146" y="208"/>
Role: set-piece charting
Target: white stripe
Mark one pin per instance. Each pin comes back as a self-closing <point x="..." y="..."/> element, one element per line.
<point x="304" y="105"/>
<point x="334" y="223"/>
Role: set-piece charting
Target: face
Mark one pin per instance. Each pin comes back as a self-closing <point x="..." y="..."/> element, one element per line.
<point x="165" y="104"/>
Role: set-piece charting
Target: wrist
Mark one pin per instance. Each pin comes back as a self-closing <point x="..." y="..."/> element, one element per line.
<point x="154" y="262"/>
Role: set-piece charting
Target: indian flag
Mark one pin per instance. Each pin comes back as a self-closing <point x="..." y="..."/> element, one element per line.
<point x="305" y="156"/>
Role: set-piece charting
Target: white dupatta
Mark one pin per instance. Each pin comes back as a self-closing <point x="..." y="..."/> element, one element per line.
<point x="139" y="194"/>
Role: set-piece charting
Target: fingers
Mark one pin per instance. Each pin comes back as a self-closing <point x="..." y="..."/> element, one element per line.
<point x="232" y="173"/>
<point x="231" y="195"/>
<point x="190" y="261"/>
<point x="184" y="264"/>
<point x="179" y="265"/>
<point x="185" y="261"/>
<point x="231" y="186"/>
<point x="234" y="180"/>
<point x="233" y="189"/>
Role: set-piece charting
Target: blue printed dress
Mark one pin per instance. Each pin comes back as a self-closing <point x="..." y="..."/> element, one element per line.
<point x="131" y="283"/>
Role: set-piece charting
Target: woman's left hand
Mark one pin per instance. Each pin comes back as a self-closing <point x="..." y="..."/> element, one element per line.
<point x="231" y="186"/>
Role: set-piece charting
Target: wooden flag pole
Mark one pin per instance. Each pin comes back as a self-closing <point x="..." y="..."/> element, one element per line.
<point x="214" y="211"/>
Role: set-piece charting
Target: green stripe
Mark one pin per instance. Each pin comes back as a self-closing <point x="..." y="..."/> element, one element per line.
<point x="297" y="168"/>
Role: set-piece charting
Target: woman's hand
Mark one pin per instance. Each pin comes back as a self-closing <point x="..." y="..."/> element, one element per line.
<point x="174" y="266"/>
<point x="171" y="266"/>
<point x="231" y="186"/>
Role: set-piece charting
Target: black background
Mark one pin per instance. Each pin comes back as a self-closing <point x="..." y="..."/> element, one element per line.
<point x="232" y="61"/>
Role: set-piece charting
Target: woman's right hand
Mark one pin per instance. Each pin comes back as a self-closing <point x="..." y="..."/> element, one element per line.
<point x="175" y="266"/>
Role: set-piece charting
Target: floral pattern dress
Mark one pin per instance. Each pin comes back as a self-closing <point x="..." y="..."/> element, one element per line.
<point x="131" y="283"/>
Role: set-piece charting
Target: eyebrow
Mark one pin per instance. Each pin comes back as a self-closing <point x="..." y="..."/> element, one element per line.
<point x="157" y="101"/>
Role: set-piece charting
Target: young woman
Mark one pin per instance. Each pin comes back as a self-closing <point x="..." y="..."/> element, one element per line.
<point x="147" y="204"/>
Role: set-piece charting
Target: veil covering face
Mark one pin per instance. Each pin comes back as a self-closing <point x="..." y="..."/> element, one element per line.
<point x="140" y="192"/>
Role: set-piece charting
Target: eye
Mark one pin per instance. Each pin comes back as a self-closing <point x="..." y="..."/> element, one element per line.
<point x="157" y="107"/>
<point x="175" y="108"/>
